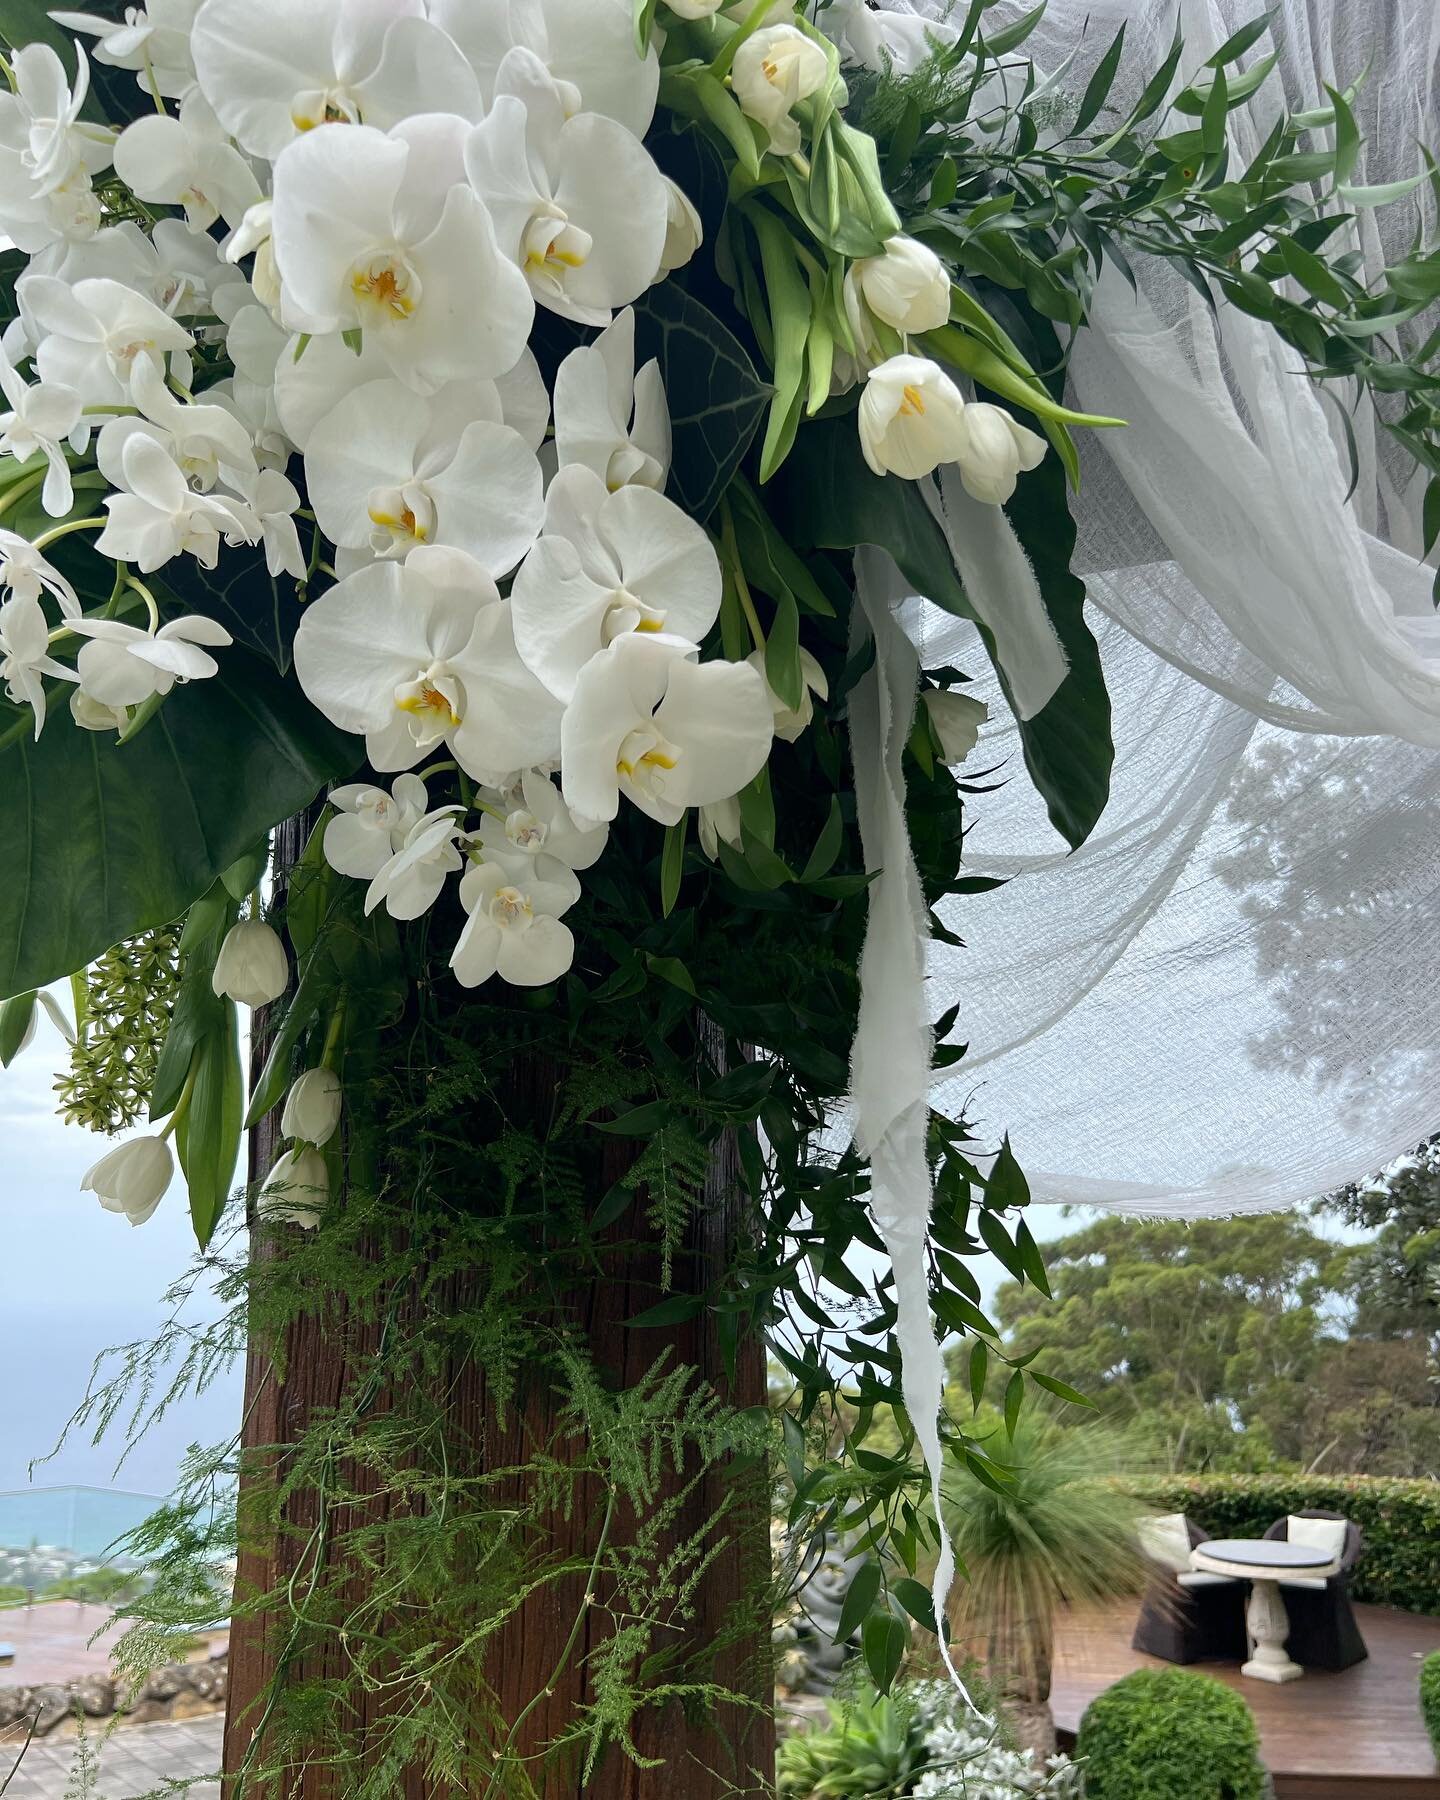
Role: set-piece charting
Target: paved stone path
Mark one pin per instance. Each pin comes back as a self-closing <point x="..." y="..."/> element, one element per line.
<point x="134" y="1761"/>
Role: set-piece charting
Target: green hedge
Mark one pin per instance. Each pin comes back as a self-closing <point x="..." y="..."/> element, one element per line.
<point x="1164" y="1734"/>
<point x="1430" y="1697"/>
<point x="1399" y="1560"/>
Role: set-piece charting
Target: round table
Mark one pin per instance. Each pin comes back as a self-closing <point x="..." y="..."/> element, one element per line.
<point x="1264" y="1562"/>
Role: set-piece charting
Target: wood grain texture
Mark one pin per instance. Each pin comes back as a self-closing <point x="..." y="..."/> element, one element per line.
<point x="703" y="1759"/>
<point x="1352" y="1735"/>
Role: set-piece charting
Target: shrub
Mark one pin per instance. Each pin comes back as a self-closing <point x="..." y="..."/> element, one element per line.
<point x="1430" y="1696"/>
<point x="1400" y="1520"/>
<point x="872" y="1744"/>
<point x="1163" y="1734"/>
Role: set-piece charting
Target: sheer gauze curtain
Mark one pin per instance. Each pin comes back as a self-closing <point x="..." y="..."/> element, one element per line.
<point x="1227" y="1000"/>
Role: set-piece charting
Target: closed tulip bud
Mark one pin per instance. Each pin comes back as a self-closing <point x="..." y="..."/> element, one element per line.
<point x="312" y="1107"/>
<point x="695" y="9"/>
<point x="251" y="968"/>
<point x="956" y="720"/>
<point x="994" y="451"/>
<point x="774" y="70"/>
<point x="911" y="418"/>
<point x="907" y="287"/>
<point x="132" y="1178"/>
<point x="296" y="1190"/>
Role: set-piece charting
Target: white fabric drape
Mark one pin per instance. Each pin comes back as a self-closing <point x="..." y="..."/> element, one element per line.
<point x="1225" y="1001"/>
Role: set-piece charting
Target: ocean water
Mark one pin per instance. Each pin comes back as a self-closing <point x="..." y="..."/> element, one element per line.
<point x="83" y="1520"/>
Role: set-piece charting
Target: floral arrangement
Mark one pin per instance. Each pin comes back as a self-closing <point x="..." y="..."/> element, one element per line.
<point x="510" y="428"/>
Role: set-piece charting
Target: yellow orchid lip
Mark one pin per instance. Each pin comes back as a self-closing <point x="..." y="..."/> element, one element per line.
<point x="429" y="700"/>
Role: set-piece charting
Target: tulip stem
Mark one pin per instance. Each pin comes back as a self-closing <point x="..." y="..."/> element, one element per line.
<point x="742" y="586"/>
<point x="328" y="1057"/>
<point x="182" y="1105"/>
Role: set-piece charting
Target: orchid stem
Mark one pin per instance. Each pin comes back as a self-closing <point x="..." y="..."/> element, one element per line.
<point x="46" y="538"/>
<point x="132" y="580"/>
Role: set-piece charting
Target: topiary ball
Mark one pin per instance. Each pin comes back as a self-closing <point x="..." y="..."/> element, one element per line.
<point x="1163" y="1734"/>
<point x="1430" y="1697"/>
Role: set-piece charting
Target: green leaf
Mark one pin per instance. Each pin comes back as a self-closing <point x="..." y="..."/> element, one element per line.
<point x="1240" y="41"/>
<point x="979" y="1371"/>
<point x="917" y="1600"/>
<point x="998" y="1243"/>
<point x="1347" y="136"/>
<point x="782" y="653"/>
<point x="1014" y="1400"/>
<point x="1031" y="1259"/>
<point x="828" y="845"/>
<point x="1061" y="1389"/>
<point x="208" y="1139"/>
<point x="1007" y="1186"/>
<point x="105" y="841"/>
<point x="1431" y="514"/>
<point x="829" y="499"/>
<point x="260" y="610"/>
<point x="1382" y="193"/>
<point x="1312" y="274"/>
<point x="672" y="865"/>
<point x="245" y="874"/>
<point x="787" y="298"/>
<point x="15" y="1017"/>
<point x="883" y="1643"/>
<point x="675" y="1309"/>
<point x="1212" y="119"/>
<point x="640" y="1121"/>
<point x="716" y="398"/>
<point x="1097" y="89"/>
<point x="671" y="969"/>
<point x="199" y="1012"/>
<point x="860" y="1598"/>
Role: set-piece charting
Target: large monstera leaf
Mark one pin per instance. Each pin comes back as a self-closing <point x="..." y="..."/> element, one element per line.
<point x="104" y="839"/>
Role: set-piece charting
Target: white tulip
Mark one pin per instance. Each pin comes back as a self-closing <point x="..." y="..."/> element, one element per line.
<point x="411" y="881"/>
<point x="296" y="1190"/>
<point x="153" y="40"/>
<point x="124" y="665"/>
<point x="273" y="69"/>
<point x="39" y="417"/>
<point x="911" y="418"/>
<point x="421" y="653"/>
<point x="719" y="822"/>
<point x="588" y="47"/>
<point x="792" y="721"/>
<point x="993" y="451"/>
<point x="649" y="721"/>
<point x="774" y="70"/>
<point x="312" y="1107"/>
<point x="578" y="203"/>
<point x="389" y="470"/>
<point x="907" y="288"/>
<point x="956" y="720"/>
<point x="684" y="230"/>
<point x="539" y="824"/>
<point x="157" y="515"/>
<point x="187" y="162"/>
<point x="514" y="927"/>
<point x="607" y="565"/>
<point x="610" y="419"/>
<point x="371" y="824"/>
<point x="380" y="234"/>
<point x="131" y="1178"/>
<point x="90" y="335"/>
<point x="252" y="968"/>
<point x="25" y="656"/>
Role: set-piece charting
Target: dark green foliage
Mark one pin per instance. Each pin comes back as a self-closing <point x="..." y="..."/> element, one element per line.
<point x="1165" y="1734"/>
<point x="1430" y="1697"/>
<point x="1400" y="1520"/>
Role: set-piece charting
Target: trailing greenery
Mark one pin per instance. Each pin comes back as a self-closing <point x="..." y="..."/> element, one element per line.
<point x="1430" y="1697"/>
<point x="1400" y="1521"/>
<point x="1165" y="1734"/>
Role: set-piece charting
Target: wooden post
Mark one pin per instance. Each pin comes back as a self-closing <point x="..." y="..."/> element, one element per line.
<point x="730" y="1756"/>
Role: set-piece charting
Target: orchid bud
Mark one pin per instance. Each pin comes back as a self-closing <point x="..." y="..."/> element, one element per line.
<point x="774" y="70"/>
<point x="312" y="1107"/>
<point x="296" y="1190"/>
<point x="132" y="1178"/>
<point x="956" y="720"/>
<point x="911" y="418"/>
<point x="251" y="968"/>
<point x="719" y="821"/>
<point x="684" y="232"/>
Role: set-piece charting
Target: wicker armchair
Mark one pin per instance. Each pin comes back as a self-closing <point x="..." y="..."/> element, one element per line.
<point x="1323" y="1631"/>
<point x="1189" y="1616"/>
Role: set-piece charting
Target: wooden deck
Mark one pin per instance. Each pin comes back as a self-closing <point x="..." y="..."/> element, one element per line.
<point x="1357" y="1735"/>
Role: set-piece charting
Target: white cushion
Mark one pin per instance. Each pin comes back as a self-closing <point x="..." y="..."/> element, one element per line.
<point x="1318" y="1534"/>
<point x="1316" y="1583"/>
<point x="1202" y="1578"/>
<point x="1166" y="1541"/>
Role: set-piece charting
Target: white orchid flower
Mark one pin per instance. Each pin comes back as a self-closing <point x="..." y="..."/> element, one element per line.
<point x="422" y="653"/>
<point x="272" y="499"/>
<point x="252" y="968"/>
<point x="153" y="40"/>
<point x="774" y="70"/>
<point x="93" y="715"/>
<point x="609" y="418"/>
<point x="371" y="824"/>
<point x="607" y="565"/>
<point x="911" y="418"/>
<point x="187" y="162"/>
<point x="123" y="665"/>
<point x="158" y="515"/>
<point x="39" y="417"/>
<point x="514" y="929"/>
<point x="132" y="1178"/>
<point x="994" y="449"/>
<point x="792" y="721"/>
<point x="380" y="234"/>
<point x="44" y="1001"/>
<point x="389" y="469"/>
<point x="48" y="153"/>
<point x="312" y="1107"/>
<point x="206" y="443"/>
<point x="27" y="575"/>
<point x="25" y="656"/>
<point x="296" y="1190"/>
<point x="252" y="237"/>
<point x="273" y="69"/>
<point x="90" y="336"/>
<point x="649" y="721"/>
<point x="538" y="823"/>
<point x="684" y="230"/>
<point x="719" y="823"/>
<point x="578" y="204"/>
<point x="588" y="46"/>
<point x="412" y="880"/>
